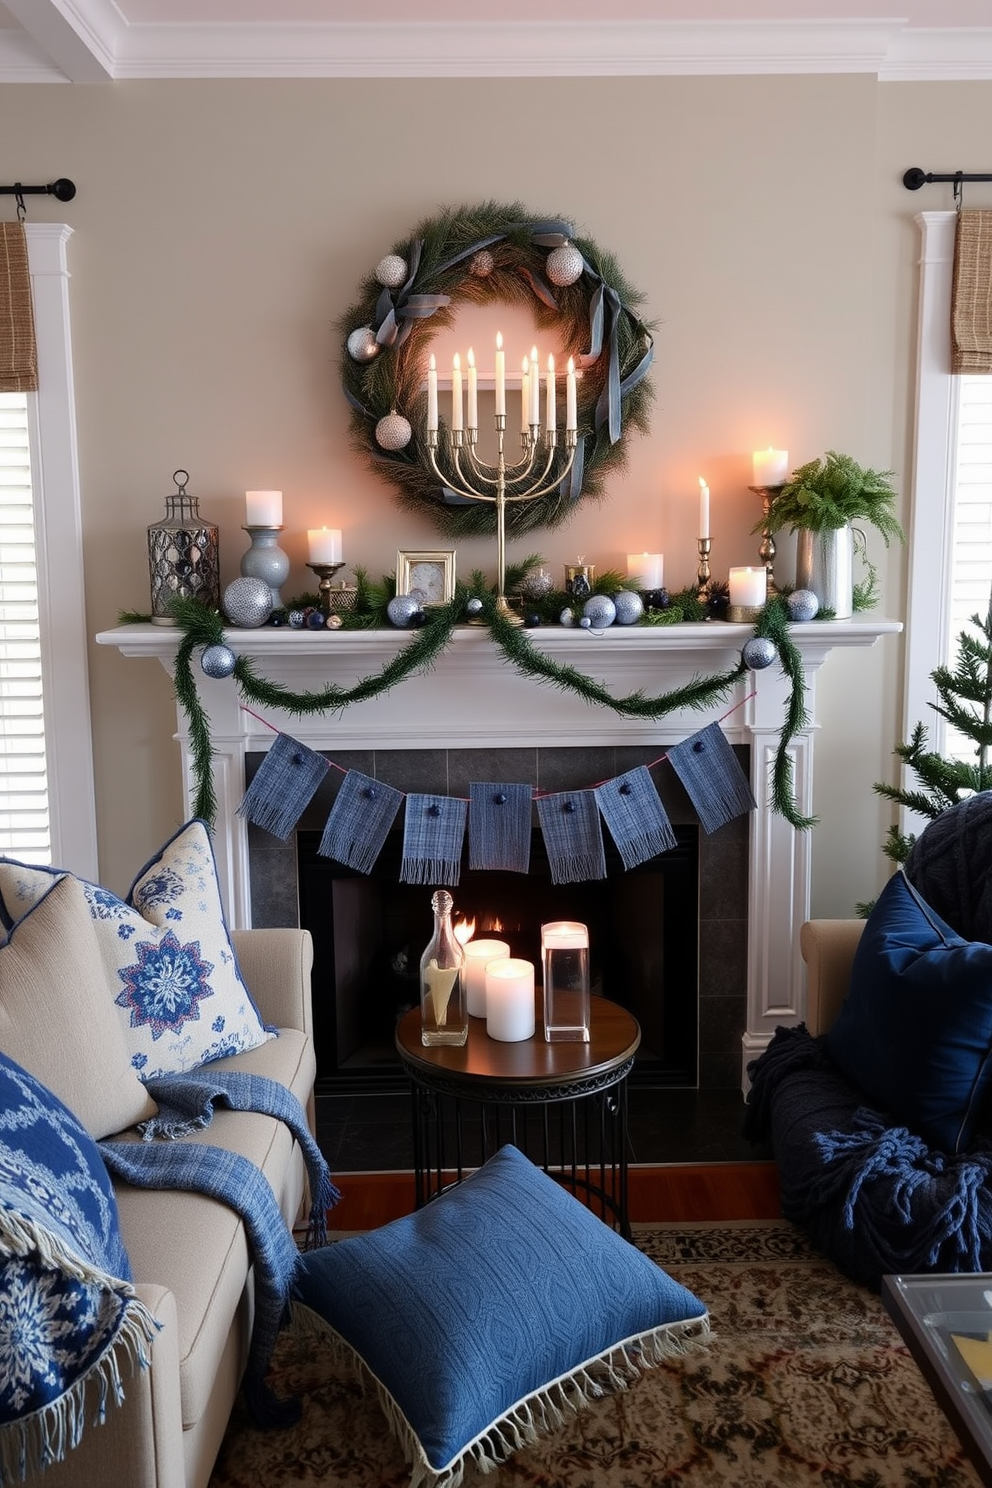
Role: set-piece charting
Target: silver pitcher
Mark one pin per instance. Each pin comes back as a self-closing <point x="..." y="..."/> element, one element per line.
<point x="825" y="565"/>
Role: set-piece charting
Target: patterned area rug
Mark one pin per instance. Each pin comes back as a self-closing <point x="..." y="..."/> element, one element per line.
<point x="805" y="1381"/>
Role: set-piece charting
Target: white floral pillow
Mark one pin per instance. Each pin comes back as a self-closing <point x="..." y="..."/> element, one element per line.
<point x="171" y="969"/>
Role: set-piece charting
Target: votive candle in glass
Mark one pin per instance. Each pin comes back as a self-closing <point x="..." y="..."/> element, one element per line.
<point x="748" y="587"/>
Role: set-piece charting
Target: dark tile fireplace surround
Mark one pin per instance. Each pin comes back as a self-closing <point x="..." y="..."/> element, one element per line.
<point x="721" y="993"/>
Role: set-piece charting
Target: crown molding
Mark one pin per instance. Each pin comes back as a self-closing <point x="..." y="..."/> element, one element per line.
<point x="86" y="41"/>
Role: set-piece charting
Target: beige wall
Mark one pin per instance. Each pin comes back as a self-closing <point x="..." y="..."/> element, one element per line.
<point x="222" y="227"/>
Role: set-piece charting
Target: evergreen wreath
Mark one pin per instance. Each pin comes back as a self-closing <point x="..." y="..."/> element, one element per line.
<point x="483" y="254"/>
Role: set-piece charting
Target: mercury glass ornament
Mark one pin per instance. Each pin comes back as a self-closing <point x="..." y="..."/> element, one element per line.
<point x="629" y="607"/>
<point x="391" y="271"/>
<point x="362" y="345"/>
<point x="393" y="432"/>
<point x="802" y="604"/>
<point x="567" y="617"/>
<point x="599" y="610"/>
<point x="758" y="653"/>
<point x="217" y="661"/>
<point x="537" y="583"/>
<point x="473" y="606"/>
<point x="183" y="555"/>
<point x="247" y="603"/>
<point x="481" y="264"/>
<point x="403" y="610"/>
<point x="564" y="265"/>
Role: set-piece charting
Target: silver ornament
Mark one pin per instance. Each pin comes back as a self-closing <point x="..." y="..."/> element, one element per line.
<point x="567" y="617"/>
<point x="802" y="604"/>
<point x="297" y="619"/>
<point x="362" y="345"/>
<point x="391" y="271"/>
<point x="217" y="661"/>
<point x="758" y="652"/>
<point x="586" y="623"/>
<point x="402" y="610"/>
<point x="629" y="607"/>
<point x="481" y="264"/>
<point x="599" y="610"/>
<point x="247" y="603"/>
<point x="473" y="606"/>
<point x="564" y="265"/>
<point x="537" y="584"/>
<point x="393" y="432"/>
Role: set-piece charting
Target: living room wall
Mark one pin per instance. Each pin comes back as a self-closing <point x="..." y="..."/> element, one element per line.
<point x="221" y="227"/>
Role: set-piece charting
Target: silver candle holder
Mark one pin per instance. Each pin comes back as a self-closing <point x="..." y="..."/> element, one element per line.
<point x="266" y="560"/>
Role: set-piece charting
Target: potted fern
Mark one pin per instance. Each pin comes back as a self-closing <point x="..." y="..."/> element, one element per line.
<point x="821" y="502"/>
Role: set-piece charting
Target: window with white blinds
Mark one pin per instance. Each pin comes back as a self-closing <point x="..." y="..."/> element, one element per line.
<point x="971" y="550"/>
<point x="25" y="829"/>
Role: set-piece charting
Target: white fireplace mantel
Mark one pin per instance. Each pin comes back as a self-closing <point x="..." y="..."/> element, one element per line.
<point x="473" y="698"/>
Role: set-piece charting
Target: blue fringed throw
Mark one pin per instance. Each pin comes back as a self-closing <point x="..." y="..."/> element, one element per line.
<point x="433" y="833"/>
<point x="637" y="820"/>
<point x="716" y="785"/>
<point x="360" y="819"/>
<point x="573" y="836"/>
<point x="284" y="785"/>
<point x="499" y="826"/>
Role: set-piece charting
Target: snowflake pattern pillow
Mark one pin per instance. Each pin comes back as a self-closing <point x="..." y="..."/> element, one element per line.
<point x="171" y="968"/>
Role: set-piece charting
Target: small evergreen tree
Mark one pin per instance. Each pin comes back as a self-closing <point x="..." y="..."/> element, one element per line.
<point x="965" y="700"/>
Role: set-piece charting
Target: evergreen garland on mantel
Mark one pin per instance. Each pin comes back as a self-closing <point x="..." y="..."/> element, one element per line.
<point x="202" y="627"/>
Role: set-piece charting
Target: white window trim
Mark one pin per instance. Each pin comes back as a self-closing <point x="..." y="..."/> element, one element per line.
<point x="931" y="534"/>
<point x="59" y="539"/>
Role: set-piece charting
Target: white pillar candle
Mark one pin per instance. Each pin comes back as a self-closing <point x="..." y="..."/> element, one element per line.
<point x="264" y="508"/>
<point x="457" y="417"/>
<point x="646" y="570"/>
<point x="525" y="396"/>
<point x="748" y="586"/>
<point x="432" y="393"/>
<point x="552" y="408"/>
<point x="324" y="544"/>
<point x="510" y="1000"/>
<point x="535" y="388"/>
<point x="704" y="508"/>
<point x="500" y="375"/>
<point x="770" y="467"/>
<point x="571" y="422"/>
<point x="473" y="392"/>
<point x="477" y="954"/>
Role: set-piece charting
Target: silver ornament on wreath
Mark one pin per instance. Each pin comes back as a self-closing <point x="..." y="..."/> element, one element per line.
<point x="802" y="604"/>
<point x="481" y="264"/>
<point x="393" y="431"/>
<point x="404" y="611"/>
<point x="247" y="603"/>
<point x="758" y="653"/>
<point x="392" y="271"/>
<point x="599" y="610"/>
<point x="362" y="345"/>
<point x="629" y="607"/>
<point x="217" y="661"/>
<point x="564" y="265"/>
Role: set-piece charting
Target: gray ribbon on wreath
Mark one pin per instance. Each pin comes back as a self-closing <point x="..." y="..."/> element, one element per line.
<point x="394" y="317"/>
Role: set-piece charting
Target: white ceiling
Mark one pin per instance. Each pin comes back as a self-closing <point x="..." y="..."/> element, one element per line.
<point x="100" y="41"/>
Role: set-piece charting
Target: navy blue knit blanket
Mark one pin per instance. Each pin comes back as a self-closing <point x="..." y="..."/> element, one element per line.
<point x="872" y="1196"/>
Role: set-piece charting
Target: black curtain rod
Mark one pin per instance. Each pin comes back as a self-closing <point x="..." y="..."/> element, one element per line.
<point x="62" y="189"/>
<point x="915" y="178"/>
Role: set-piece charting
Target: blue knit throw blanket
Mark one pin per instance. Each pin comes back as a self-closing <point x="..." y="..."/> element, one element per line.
<point x="186" y="1104"/>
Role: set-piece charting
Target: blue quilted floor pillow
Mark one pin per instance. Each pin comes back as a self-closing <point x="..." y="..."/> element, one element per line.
<point x="488" y="1317"/>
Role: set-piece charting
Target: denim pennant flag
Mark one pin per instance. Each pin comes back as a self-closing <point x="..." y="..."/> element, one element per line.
<point x="433" y="833"/>
<point x="499" y="826"/>
<point x="708" y="768"/>
<point x="573" y="836"/>
<point x="637" y="820"/>
<point x="284" y="785"/>
<point x="360" y="819"/>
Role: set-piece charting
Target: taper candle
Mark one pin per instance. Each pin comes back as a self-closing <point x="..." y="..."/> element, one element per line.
<point x="432" y="393"/>
<point x="704" y="508"/>
<point x="535" y="388"/>
<point x="457" y="413"/>
<point x="473" y="392"/>
<point x="552" y="409"/>
<point x="571" y="422"/>
<point x="500" y="375"/>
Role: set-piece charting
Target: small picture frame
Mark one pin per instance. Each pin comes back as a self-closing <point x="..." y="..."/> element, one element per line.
<point x="429" y="575"/>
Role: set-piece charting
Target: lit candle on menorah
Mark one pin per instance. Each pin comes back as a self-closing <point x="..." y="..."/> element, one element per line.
<point x="542" y="465"/>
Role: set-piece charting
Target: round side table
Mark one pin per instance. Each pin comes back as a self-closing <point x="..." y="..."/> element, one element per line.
<point x="564" y="1105"/>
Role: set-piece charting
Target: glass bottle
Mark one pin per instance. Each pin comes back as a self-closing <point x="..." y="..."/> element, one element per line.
<point x="443" y="1009"/>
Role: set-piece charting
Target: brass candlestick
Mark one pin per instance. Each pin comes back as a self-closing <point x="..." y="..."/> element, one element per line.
<point x="766" y="550"/>
<point x="703" y="571"/>
<point x="325" y="573"/>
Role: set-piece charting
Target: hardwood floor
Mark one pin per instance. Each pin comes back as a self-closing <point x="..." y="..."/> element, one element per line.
<point x="663" y="1194"/>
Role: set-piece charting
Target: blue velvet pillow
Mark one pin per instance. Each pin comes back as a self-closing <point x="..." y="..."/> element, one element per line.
<point x="491" y="1314"/>
<point x="915" y="1032"/>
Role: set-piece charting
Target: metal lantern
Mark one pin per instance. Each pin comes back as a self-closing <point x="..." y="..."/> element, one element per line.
<point x="183" y="555"/>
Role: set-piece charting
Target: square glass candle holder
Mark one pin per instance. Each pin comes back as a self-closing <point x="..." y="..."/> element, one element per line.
<point x="565" y="966"/>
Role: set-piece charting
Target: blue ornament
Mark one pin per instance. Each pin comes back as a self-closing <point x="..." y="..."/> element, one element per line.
<point x="567" y="617"/>
<point x="217" y="661"/>
<point x="315" y="620"/>
<point x="758" y="652"/>
<point x="629" y="607"/>
<point x="802" y="604"/>
<point x="586" y="623"/>
<point x="297" y="619"/>
<point x="600" y="611"/>
<point x="403" y="611"/>
<point x="532" y="620"/>
<point x="247" y="602"/>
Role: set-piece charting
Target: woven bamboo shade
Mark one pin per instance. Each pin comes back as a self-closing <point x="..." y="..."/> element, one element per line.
<point x="971" y="294"/>
<point x="18" y="354"/>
